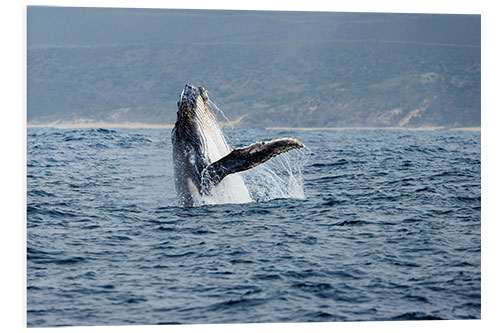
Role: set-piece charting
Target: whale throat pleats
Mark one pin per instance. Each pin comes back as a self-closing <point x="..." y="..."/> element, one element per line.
<point x="241" y="159"/>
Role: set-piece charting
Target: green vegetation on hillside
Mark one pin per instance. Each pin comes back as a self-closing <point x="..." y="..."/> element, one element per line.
<point x="293" y="69"/>
<point x="313" y="83"/>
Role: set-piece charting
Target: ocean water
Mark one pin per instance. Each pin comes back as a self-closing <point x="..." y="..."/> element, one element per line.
<point x="361" y="225"/>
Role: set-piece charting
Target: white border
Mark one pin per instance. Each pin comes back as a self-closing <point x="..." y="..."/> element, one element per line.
<point x="13" y="140"/>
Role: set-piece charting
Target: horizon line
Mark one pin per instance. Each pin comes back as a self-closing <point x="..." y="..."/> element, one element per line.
<point x="138" y="125"/>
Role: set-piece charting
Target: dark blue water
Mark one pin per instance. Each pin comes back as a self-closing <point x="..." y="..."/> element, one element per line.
<point x="389" y="230"/>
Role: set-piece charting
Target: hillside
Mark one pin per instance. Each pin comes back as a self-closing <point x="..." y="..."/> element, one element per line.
<point x="261" y="75"/>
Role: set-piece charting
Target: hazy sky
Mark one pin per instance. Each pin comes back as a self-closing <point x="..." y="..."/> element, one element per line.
<point x="90" y="26"/>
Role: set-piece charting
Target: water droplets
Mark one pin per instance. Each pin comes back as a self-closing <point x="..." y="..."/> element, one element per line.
<point x="280" y="177"/>
<point x="216" y="112"/>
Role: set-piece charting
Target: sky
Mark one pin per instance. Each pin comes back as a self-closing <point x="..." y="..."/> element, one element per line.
<point x="97" y="26"/>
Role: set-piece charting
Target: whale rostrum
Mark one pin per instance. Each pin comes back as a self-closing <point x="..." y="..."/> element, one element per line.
<point x="205" y="168"/>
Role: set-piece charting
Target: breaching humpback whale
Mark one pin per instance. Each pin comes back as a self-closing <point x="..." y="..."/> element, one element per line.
<point x="205" y="168"/>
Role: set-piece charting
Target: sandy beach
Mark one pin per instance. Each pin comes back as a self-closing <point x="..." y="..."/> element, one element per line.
<point x="136" y="125"/>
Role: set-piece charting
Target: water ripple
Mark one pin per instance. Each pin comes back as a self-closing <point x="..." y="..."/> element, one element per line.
<point x="388" y="229"/>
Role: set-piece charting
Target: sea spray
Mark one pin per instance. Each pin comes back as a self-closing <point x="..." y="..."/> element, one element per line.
<point x="279" y="177"/>
<point x="217" y="112"/>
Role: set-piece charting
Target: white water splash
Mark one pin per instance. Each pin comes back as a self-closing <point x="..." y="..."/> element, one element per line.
<point x="232" y="188"/>
<point x="216" y="111"/>
<point x="280" y="177"/>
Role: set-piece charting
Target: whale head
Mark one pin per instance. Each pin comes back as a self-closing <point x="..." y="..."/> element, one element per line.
<point x="192" y="104"/>
<point x="196" y="127"/>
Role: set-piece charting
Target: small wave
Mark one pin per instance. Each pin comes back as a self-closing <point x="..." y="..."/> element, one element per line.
<point x="351" y="222"/>
<point x="119" y="238"/>
<point x="238" y="303"/>
<point x="322" y="315"/>
<point x="104" y="130"/>
<point x="139" y="138"/>
<point x="98" y="146"/>
<point x="266" y="277"/>
<point x="39" y="193"/>
<point x="314" y="287"/>
<point x="415" y="316"/>
<point x="179" y="255"/>
<point x="167" y="229"/>
<point x="135" y="300"/>
<point x="69" y="261"/>
<point x="326" y="179"/>
<point x="328" y="165"/>
<point x="74" y="138"/>
<point x="332" y="202"/>
<point x="34" y="253"/>
<point x="303" y="274"/>
<point x="241" y="261"/>
<point x="420" y="299"/>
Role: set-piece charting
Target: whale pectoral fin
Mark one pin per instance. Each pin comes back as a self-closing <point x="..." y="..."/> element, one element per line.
<point x="241" y="159"/>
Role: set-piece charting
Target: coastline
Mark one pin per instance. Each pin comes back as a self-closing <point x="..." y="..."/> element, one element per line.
<point x="100" y="124"/>
<point x="137" y="125"/>
<point x="426" y="128"/>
